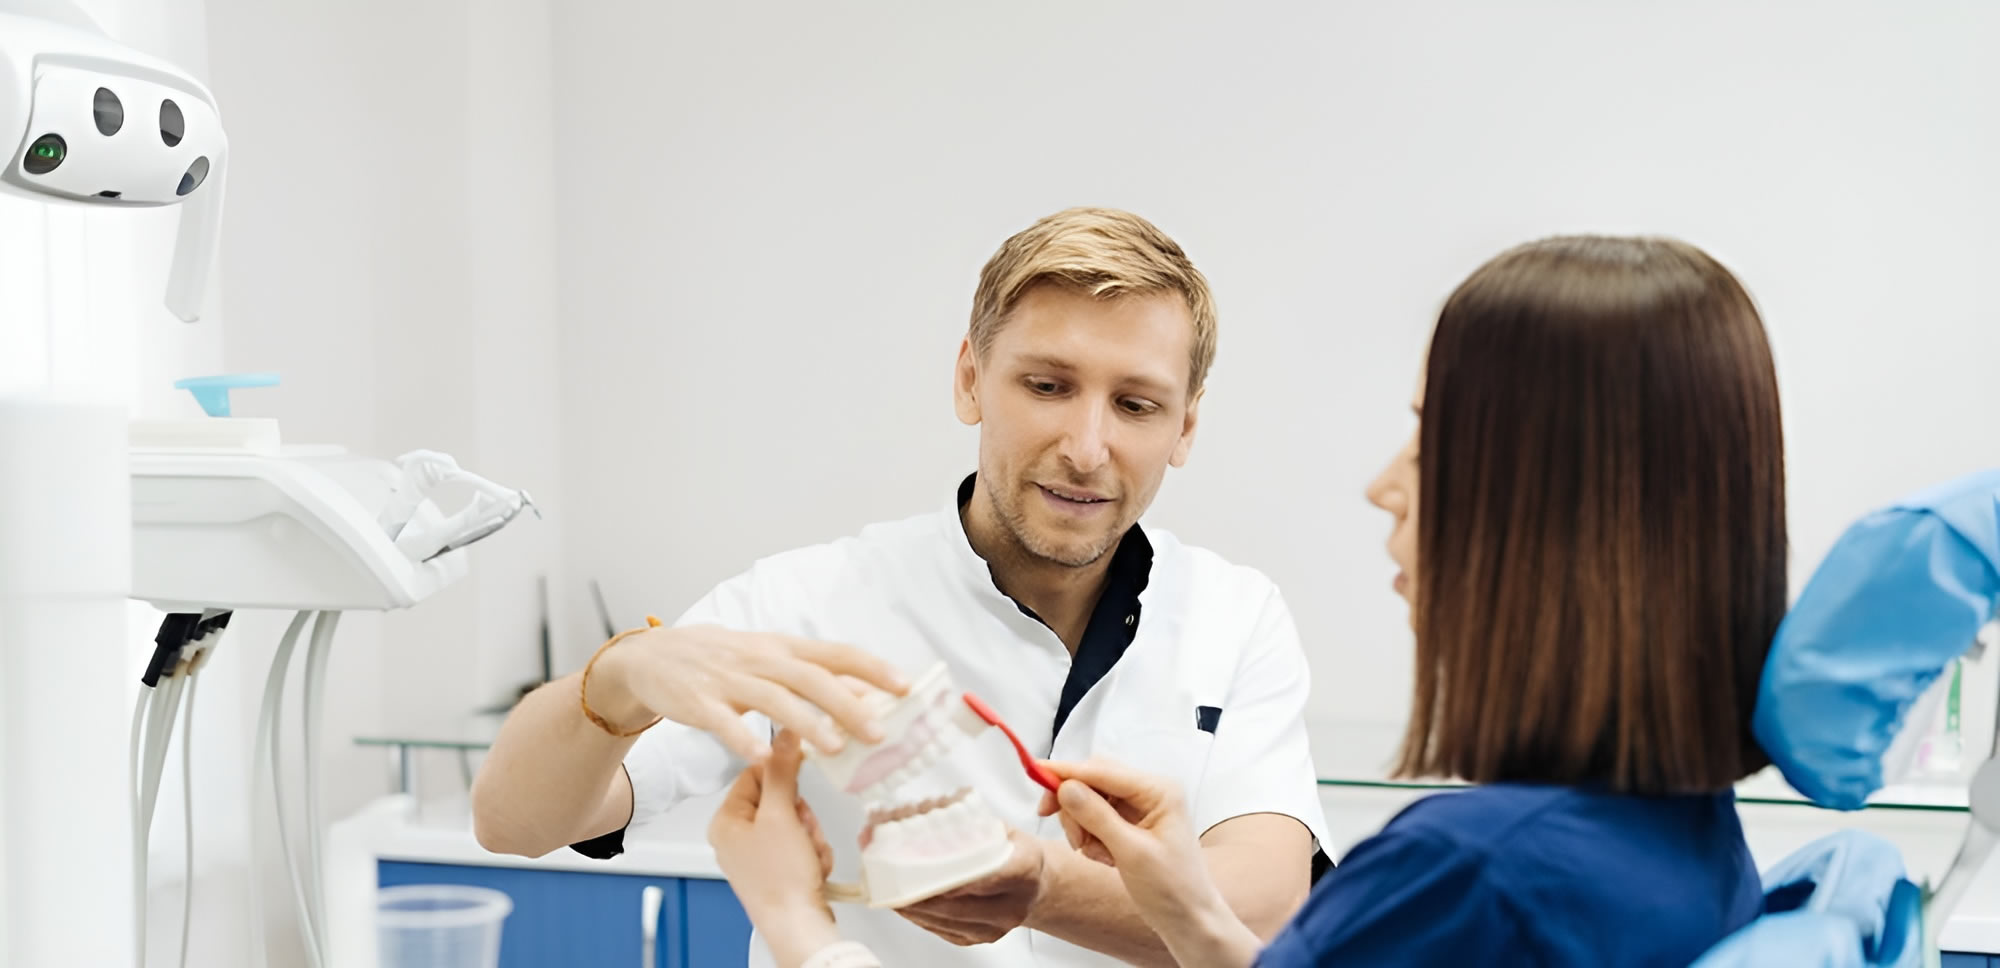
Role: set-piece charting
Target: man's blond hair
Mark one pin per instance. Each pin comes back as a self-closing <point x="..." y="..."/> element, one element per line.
<point x="1104" y="252"/>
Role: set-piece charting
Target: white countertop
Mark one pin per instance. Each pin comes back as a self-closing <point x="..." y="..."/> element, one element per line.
<point x="674" y="846"/>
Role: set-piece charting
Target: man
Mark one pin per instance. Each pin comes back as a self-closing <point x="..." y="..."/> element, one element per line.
<point x="1090" y="338"/>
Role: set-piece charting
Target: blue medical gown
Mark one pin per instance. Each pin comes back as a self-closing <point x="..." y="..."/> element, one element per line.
<point x="1532" y="875"/>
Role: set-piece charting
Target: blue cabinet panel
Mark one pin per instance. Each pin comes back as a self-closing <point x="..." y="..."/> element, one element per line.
<point x="718" y="932"/>
<point x="575" y="918"/>
<point x="563" y="917"/>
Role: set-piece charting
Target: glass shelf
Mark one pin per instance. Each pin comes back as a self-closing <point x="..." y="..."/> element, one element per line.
<point x="403" y="759"/>
<point x="422" y="744"/>
<point x="1758" y="789"/>
<point x="1358" y="755"/>
<point x="1766" y="787"/>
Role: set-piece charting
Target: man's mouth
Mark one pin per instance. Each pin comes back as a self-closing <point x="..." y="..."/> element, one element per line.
<point x="1073" y="495"/>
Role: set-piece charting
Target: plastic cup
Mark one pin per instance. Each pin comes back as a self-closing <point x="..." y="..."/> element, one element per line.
<point x="440" y="926"/>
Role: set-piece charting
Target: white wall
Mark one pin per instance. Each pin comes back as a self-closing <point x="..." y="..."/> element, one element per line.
<point x="388" y="253"/>
<point x="779" y="211"/>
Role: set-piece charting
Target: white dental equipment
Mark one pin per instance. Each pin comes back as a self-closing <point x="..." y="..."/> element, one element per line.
<point x="311" y="530"/>
<point x="421" y="531"/>
<point x="917" y="849"/>
<point x="85" y="120"/>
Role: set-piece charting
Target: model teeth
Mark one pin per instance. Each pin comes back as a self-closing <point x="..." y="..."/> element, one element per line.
<point x="889" y="837"/>
<point x="922" y="729"/>
<point x="950" y="830"/>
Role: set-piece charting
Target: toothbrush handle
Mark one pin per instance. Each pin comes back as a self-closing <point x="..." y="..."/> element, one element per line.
<point x="1035" y="770"/>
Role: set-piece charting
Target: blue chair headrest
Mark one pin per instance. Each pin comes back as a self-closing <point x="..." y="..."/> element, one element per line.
<point x="1903" y="592"/>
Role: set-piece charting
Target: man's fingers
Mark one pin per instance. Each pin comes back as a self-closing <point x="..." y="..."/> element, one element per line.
<point x="1048" y="806"/>
<point x="954" y="930"/>
<point x="843" y="659"/>
<point x="823" y="689"/>
<point x="785" y="708"/>
<point x="728" y="727"/>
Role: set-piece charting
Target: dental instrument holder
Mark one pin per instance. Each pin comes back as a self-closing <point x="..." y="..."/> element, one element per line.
<point x="232" y="520"/>
<point x="1902" y="594"/>
<point x="226" y="519"/>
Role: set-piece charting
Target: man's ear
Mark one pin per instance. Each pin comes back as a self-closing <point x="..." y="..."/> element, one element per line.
<point x="965" y="384"/>
<point x="1186" y="443"/>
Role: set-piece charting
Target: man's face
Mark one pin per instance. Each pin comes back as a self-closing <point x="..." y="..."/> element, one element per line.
<point x="1082" y="403"/>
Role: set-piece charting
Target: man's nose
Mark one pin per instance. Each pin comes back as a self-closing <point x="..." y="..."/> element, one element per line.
<point x="1086" y="444"/>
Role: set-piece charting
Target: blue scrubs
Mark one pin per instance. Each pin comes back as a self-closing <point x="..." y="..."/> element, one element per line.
<point x="1513" y="874"/>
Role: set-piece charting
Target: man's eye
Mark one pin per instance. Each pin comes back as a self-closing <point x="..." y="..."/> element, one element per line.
<point x="1044" y="387"/>
<point x="1140" y="407"/>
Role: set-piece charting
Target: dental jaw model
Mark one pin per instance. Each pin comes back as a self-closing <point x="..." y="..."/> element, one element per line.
<point x="918" y="850"/>
<point x="915" y="849"/>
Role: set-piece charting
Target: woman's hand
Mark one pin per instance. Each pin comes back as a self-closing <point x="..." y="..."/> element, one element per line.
<point x="1138" y="823"/>
<point x="770" y="847"/>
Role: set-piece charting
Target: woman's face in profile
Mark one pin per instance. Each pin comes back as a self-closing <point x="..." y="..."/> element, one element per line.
<point x="1395" y="490"/>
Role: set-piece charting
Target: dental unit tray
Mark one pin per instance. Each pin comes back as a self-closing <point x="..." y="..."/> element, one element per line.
<point x="277" y="532"/>
<point x="919" y="849"/>
<point x="226" y="517"/>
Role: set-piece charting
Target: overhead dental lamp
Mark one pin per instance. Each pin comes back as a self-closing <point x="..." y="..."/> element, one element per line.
<point x="88" y="121"/>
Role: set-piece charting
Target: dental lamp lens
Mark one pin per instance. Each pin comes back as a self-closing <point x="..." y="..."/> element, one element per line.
<point x="196" y="174"/>
<point x="45" y="155"/>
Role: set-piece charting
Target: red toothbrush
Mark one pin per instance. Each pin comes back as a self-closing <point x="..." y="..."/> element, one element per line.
<point x="1036" y="771"/>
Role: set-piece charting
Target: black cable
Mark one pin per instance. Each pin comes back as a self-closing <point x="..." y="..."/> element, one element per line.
<point x="176" y="631"/>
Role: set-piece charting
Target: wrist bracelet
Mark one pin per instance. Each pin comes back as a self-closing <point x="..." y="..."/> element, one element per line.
<point x="583" y="689"/>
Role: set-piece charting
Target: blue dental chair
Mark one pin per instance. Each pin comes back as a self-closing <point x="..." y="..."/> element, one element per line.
<point x="1904" y="592"/>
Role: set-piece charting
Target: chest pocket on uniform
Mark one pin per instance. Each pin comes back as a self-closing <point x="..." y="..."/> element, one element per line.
<point x="1155" y="731"/>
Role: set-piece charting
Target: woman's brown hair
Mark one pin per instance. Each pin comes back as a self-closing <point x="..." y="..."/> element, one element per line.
<point x="1601" y="538"/>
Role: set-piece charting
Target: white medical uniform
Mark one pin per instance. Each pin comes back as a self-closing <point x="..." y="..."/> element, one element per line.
<point x="914" y="592"/>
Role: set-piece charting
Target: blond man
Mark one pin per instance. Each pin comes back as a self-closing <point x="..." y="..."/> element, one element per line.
<point x="1083" y="366"/>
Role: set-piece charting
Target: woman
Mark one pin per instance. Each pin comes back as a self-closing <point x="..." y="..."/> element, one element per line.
<point x="1590" y="523"/>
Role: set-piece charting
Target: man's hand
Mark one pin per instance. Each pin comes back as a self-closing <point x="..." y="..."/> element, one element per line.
<point x="985" y="910"/>
<point x="708" y="677"/>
